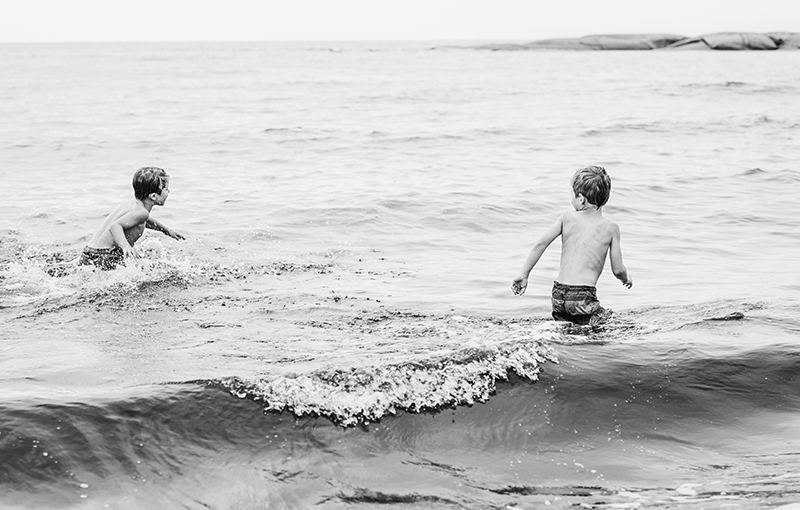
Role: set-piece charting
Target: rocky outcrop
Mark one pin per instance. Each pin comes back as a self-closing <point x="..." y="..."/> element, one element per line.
<point x="786" y="40"/>
<point x="727" y="41"/>
<point x="739" y="41"/>
<point x="716" y="41"/>
<point x="629" y="42"/>
<point x="690" y="43"/>
<point x="594" y="42"/>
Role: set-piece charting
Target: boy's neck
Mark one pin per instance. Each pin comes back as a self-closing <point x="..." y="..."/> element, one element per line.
<point x="147" y="204"/>
<point x="591" y="209"/>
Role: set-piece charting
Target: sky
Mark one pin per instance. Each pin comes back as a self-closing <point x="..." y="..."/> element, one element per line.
<point x="332" y="20"/>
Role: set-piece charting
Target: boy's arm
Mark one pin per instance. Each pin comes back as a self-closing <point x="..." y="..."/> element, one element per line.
<point x="617" y="266"/>
<point x="123" y="223"/>
<point x="520" y="283"/>
<point x="160" y="227"/>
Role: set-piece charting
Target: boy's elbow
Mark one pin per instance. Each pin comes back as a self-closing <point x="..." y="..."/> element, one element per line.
<point x="542" y="244"/>
<point x="539" y="246"/>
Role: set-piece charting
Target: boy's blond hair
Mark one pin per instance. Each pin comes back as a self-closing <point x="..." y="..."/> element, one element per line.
<point x="593" y="183"/>
<point x="149" y="179"/>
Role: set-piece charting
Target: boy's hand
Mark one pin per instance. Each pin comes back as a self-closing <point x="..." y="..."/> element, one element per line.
<point x="519" y="285"/>
<point x="173" y="234"/>
<point x="130" y="252"/>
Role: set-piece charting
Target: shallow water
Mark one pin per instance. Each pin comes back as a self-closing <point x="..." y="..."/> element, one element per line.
<point x="338" y="328"/>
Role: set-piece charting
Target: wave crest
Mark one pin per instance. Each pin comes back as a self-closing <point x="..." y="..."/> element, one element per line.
<point x="349" y="397"/>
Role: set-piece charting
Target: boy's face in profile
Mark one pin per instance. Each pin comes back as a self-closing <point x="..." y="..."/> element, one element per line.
<point x="575" y="200"/>
<point x="161" y="198"/>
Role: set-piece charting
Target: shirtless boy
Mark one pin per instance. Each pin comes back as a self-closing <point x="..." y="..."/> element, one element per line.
<point x="122" y="228"/>
<point x="586" y="238"/>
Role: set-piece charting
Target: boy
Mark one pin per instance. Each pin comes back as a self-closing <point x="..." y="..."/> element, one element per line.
<point x="586" y="237"/>
<point x="122" y="228"/>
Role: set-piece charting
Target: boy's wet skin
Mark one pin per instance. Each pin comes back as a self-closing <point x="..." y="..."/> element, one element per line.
<point x="116" y="237"/>
<point x="586" y="238"/>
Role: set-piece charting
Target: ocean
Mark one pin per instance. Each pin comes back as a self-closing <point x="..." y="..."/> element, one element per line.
<point x="338" y="331"/>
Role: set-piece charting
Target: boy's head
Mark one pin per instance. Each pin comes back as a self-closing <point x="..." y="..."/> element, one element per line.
<point x="149" y="179"/>
<point x="593" y="183"/>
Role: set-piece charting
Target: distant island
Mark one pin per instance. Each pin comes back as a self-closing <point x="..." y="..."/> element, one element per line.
<point x="717" y="41"/>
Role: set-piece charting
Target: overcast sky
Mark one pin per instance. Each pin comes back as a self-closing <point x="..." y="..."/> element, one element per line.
<point x="249" y="20"/>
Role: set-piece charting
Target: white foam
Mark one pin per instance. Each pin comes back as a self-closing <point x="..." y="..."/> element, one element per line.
<point x="363" y="395"/>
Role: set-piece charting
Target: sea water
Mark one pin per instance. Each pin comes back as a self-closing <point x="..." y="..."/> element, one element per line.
<point x="338" y="329"/>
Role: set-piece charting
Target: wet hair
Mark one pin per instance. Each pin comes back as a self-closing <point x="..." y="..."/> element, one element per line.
<point x="593" y="183"/>
<point x="149" y="179"/>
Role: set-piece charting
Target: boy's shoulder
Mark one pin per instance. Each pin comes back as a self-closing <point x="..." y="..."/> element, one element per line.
<point x="140" y="210"/>
<point x="134" y="207"/>
<point x="598" y="222"/>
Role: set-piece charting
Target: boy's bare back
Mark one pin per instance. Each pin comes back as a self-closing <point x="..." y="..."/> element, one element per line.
<point x="586" y="238"/>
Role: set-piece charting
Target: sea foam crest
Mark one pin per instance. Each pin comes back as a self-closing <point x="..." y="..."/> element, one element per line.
<point x="355" y="396"/>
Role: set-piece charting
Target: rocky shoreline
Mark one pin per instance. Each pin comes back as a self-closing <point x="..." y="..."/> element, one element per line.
<point x="735" y="41"/>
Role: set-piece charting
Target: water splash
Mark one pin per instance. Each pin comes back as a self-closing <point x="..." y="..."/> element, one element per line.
<point x="362" y="395"/>
<point x="37" y="276"/>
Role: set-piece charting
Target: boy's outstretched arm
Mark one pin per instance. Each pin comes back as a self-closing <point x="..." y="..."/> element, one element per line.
<point x="123" y="223"/>
<point x="617" y="266"/>
<point x="154" y="225"/>
<point x="520" y="283"/>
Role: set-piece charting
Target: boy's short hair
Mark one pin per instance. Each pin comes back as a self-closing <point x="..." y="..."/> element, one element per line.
<point x="593" y="183"/>
<point x="149" y="179"/>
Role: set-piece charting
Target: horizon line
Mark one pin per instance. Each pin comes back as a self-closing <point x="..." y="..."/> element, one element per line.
<point x="352" y="40"/>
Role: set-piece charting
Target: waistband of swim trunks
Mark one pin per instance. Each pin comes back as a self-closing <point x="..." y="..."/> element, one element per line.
<point x="564" y="286"/>
<point x="113" y="249"/>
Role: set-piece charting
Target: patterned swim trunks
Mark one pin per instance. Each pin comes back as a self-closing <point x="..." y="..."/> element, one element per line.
<point x="104" y="258"/>
<point x="578" y="304"/>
